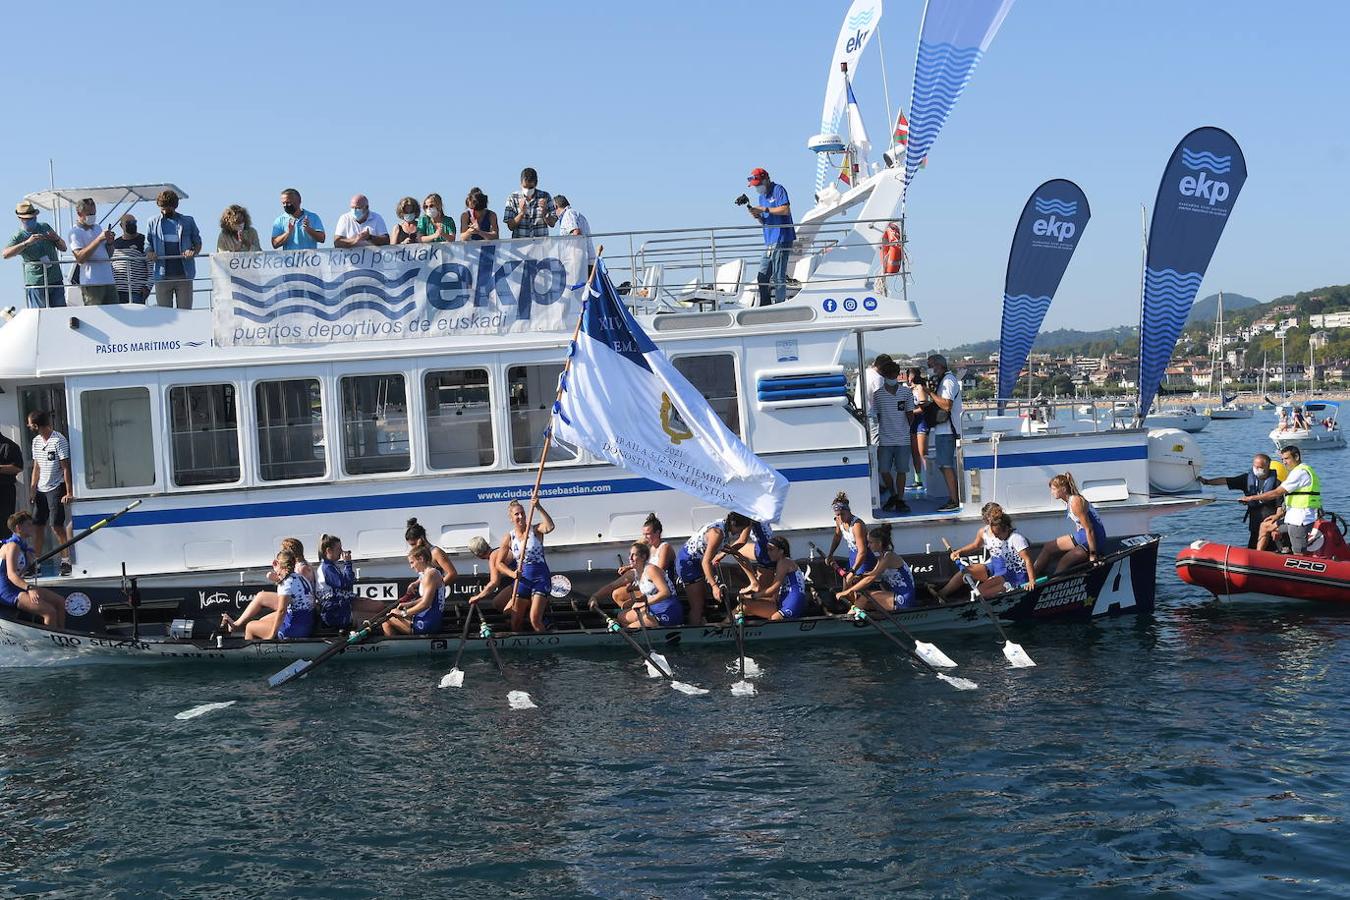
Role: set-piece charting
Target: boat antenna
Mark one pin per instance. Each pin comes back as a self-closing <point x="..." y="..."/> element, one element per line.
<point x="886" y="90"/>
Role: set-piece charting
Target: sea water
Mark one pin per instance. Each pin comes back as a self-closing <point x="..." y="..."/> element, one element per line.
<point x="1203" y="749"/>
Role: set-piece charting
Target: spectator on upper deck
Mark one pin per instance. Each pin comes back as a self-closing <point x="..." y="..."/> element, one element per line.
<point x="477" y="222"/>
<point x="405" y="224"/>
<point x="573" y="223"/>
<point x="237" y="234"/>
<point x="530" y="212"/>
<point x="435" y="226"/>
<point x="131" y="269"/>
<point x="946" y="426"/>
<point x="92" y="248"/>
<point x="296" y="228"/>
<point x="38" y="244"/>
<point x="174" y="241"/>
<point x="359" y="227"/>
<point x="776" y="217"/>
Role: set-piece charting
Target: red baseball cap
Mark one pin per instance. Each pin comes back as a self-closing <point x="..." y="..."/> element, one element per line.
<point x="757" y="176"/>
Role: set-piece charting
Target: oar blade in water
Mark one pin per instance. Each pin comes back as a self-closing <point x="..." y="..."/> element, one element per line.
<point x="743" y="689"/>
<point x="1017" y="656"/>
<point x="662" y="666"/>
<point x="294" y="670"/>
<point x="520" y="700"/>
<point x="752" y="668"/>
<point x="687" y="688"/>
<point x="453" y="678"/>
<point x="933" y="656"/>
<point x="961" y="684"/>
<point x="203" y="709"/>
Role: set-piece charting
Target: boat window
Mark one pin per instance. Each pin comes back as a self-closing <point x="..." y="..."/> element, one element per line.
<point x="375" y="424"/>
<point x="117" y="433"/>
<point x="459" y="419"/>
<point x="714" y="376"/>
<point x="42" y="398"/>
<point x="204" y="431"/>
<point x="532" y="390"/>
<point x="290" y="429"/>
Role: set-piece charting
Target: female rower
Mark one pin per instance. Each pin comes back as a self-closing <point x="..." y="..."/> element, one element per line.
<point x="751" y="550"/>
<point x="416" y="536"/>
<point x="423" y="615"/>
<point x="652" y="602"/>
<point x="695" y="561"/>
<point x="533" y="579"/>
<point x="1089" y="534"/>
<point x="1009" y="560"/>
<point x="501" y="571"/>
<point x="785" y="598"/>
<point x="890" y="583"/>
<point x="853" y="532"/>
<point x="291" y="617"/>
<point x="334" y="587"/>
<point x="662" y="556"/>
<point x="15" y="555"/>
<point x="918" y="385"/>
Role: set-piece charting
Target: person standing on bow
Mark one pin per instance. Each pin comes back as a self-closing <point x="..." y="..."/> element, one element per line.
<point x="534" y="581"/>
<point x="1258" y="480"/>
<point x="51" y="489"/>
<point x="775" y="214"/>
<point x="1302" y="495"/>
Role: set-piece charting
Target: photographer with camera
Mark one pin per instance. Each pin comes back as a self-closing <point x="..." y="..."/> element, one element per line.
<point x="776" y="216"/>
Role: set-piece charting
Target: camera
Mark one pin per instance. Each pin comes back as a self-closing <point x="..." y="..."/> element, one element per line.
<point x="742" y="200"/>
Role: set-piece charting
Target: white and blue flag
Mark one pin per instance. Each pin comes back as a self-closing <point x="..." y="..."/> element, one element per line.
<point x="625" y="402"/>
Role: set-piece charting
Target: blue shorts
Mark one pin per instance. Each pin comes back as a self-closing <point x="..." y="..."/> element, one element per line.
<point x="997" y="566"/>
<point x="689" y="569"/>
<point x="296" y="625"/>
<point x="428" y="621"/>
<point x="869" y="560"/>
<point x="919" y="426"/>
<point x="668" y="612"/>
<point x="9" y="594"/>
<point x="944" y="450"/>
<point x="336" y="613"/>
<point x="793" y="606"/>
<point x="535" y="578"/>
<point x="893" y="458"/>
<point x="1080" y="539"/>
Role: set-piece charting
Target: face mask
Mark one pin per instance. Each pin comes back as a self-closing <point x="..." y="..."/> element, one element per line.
<point x="1259" y="473"/>
<point x="359" y="213"/>
<point x="528" y="192"/>
<point x="86" y="219"/>
<point x="290" y="208"/>
<point x="169" y="213"/>
<point x="130" y="227"/>
<point x="30" y="225"/>
<point x="762" y="188"/>
<point x="409" y="217"/>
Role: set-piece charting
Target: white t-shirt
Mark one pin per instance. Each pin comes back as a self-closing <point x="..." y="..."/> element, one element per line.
<point x="574" y="221"/>
<point x="348" y="227"/>
<point x="98" y="268"/>
<point x="1010" y="551"/>
<point x="47" y="455"/>
<point x="949" y="389"/>
<point x="1298" y="480"/>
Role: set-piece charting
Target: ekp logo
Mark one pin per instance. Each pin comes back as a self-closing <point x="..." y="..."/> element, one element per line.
<point x="859" y="24"/>
<point x="1199" y="185"/>
<point x="1054" y="226"/>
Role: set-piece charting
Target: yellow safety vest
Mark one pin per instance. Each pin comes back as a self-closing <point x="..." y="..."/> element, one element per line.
<point x="1309" y="497"/>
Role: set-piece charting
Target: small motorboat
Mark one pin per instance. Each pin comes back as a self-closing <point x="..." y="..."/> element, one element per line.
<point x="1312" y="426"/>
<point x="1236" y="573"/>
<point x="1187" y="419"/>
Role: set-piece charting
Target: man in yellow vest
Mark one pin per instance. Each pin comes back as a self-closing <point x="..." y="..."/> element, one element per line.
<point x="1302" y="494"/>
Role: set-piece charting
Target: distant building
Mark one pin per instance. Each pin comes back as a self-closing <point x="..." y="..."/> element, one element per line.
<point x="1330" y="320"/>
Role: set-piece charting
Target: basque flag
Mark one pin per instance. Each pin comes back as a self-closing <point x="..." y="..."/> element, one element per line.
<point x="624" y="402"/>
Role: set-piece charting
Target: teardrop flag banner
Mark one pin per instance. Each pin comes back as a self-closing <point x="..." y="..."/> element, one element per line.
<point x="1199" y="187"/>
<point x="1052" y="223"/>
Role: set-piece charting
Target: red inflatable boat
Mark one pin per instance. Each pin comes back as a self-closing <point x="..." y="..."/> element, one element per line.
<point x="1322" y="574"/>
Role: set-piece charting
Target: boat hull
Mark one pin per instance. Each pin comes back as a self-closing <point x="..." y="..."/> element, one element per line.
<point x="1306" y="439"/>
<point x="1122" y="584"/>
<point x="1238" y="573"/>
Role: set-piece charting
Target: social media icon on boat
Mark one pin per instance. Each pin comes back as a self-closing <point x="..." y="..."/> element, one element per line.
<point x="870" y="304"/>
<point x="850" y="304"/>
<point x="829" y="305"/>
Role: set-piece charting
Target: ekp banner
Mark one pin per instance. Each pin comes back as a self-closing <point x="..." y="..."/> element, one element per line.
<point x="1199" y="187"/>
<point x="1052" y="223"/>
<point x="341" y="295"/>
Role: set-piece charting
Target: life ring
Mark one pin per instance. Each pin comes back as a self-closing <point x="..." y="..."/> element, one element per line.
<point x="892" y="249"/>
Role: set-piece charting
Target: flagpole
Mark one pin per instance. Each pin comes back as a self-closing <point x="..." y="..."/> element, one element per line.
<point x="886" y="88"/>
<point x="548" y="435"/>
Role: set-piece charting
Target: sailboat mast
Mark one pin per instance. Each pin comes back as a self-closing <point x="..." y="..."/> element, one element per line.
<point x="1219" y="353"/>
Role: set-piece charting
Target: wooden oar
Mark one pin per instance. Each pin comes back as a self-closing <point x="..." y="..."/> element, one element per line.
<point x="1012" y="652"/>
<point x="618" y="629"/>
<point x="302" y="667"/>
<point x="961" y="684"/>
<point x="930" y="652"/>
<point x="455" y="677"/>
<point x="33" y="566"/>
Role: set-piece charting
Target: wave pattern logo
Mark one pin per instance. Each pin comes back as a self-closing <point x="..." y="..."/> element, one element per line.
<point x="1052" y="207"/>
<point x="1196" y="161"/>
<point x="1022" y="318"/>
<point x="940" y="75"/>
<point x="1168" y="295"/>
<point x="862" y="19"/>
<point x="298" y="293"/>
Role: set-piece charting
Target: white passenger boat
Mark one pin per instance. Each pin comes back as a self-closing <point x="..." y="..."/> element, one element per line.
<point x="1320" y="431"/>
<point x="1186" y="418"/>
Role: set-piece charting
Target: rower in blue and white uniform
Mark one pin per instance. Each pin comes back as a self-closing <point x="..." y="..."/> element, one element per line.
<point x="785" y="597"/>
<point x="1088" y="540"/>
<point x="852" y="532"/>
<point x="653" y="603"/>
<point x="535" y="581"/>
<point x="695" y="560"/>
<point x="334" y="579"/>
<point x="1009" y="565"/>
<point x="290" y="607"/>
<point x="423" y="615"/>
<point x="15" y="555"/>
<point x="890" y="583"/>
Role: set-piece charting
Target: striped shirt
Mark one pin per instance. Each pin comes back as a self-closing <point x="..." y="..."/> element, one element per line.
<point x="131" y="270"/>
<point x="531" y="224"/>
<point x="889" y="410"/>
<point x="47" y="455"/>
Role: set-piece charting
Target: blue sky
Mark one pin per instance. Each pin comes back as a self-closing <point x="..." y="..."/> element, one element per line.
<point x="649" y="115"/>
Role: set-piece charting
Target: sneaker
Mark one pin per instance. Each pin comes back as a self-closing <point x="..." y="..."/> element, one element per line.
<point x="949" y="506"/>
<point x="65" y="567"/>
<point x="892" y="504"/>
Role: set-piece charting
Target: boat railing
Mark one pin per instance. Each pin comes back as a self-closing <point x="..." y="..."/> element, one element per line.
<point x="676" y="269"/>
<point x="1041" y="414"/>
